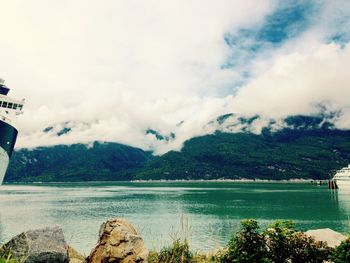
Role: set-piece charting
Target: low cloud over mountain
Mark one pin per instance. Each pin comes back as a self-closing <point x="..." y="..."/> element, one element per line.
<point x="113" y="71"/>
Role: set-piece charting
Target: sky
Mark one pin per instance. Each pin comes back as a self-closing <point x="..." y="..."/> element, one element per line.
<point x="111" y="70"/>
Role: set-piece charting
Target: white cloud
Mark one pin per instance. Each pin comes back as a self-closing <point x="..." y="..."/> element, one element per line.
<point x="113" y="69"/>
<point x="298" y="83"/>
<point x="121" y="66"/>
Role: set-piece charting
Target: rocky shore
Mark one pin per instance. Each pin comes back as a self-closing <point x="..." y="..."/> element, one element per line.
<point x="118" y="241"/>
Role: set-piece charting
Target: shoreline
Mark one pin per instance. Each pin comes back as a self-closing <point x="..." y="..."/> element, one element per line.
<point x="243" y="180"/>
<point x="50" y="244"/>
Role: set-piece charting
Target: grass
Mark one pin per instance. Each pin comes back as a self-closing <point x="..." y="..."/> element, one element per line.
<point x="179" y="252"/>
<point x="8" y="259"/>
<point x="280" y="242"/>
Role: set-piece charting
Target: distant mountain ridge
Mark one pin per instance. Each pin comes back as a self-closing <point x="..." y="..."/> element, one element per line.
<point x="305" y="147"/>
<point x="77" y="162"/>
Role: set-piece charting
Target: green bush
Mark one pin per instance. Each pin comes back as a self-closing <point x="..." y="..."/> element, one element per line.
<point x="341" y="253"/>
<point x="306" y="249"/>
<point x="278" y="239"/>
<point x="279" y="243"/>
<point x="248" y="245"/>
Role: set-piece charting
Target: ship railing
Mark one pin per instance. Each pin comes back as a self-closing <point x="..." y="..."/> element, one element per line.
<point x="3" y="118"/>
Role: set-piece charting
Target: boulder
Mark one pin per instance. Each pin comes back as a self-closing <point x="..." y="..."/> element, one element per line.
<point x="74" y="256"/>
<point x="328" y="235"/>
<point x="118" y="242"/>
<point x="41" y="245"/>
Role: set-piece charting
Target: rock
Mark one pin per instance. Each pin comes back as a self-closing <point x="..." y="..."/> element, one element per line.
<point x="328" y="235"/>
<point x="118" y="242"/>
<point x="41" y="245"/>
<point x="74" y="256"/>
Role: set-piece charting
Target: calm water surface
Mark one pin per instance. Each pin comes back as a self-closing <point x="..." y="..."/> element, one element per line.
<point x="207" y="212"/>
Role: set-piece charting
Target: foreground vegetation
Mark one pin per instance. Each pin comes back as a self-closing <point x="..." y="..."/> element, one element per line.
<point x="8" y="259"/>
<point x="279" y="243"/>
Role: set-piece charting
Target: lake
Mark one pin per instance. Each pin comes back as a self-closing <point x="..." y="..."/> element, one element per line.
<point x="206" y="212"/>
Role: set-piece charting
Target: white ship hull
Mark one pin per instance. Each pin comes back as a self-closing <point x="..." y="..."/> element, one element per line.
<point x="4" y="161"/>
<point x="342" y="177"/>
<point x="343" y="183"/>
<point x="9" y="108"/>
<point x="8" y="135"/>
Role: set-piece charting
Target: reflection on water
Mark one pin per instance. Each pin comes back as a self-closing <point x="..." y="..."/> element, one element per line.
<point x="208" y="212"/>
<point x="344" y="203"/>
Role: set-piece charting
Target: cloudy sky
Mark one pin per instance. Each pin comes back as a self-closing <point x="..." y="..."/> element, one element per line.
<point x="109" y="70"/>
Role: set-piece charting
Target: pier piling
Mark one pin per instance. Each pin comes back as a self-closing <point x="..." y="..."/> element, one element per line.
<point x="332" y="184"/>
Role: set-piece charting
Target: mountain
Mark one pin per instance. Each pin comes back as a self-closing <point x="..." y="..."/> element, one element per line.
<point x="159" y="136"/>
<point x="305" y="147"/>
<point x="308" y="147"/>
<point x="77" y="162"/>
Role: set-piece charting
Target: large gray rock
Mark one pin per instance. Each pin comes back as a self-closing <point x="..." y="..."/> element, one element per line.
<point x="38" y="246"/>
<point x="119" y="242"/>
<point x="328" y="235"/>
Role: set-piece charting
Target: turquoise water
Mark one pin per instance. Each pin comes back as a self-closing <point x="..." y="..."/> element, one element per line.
<point x="206" y="212"/>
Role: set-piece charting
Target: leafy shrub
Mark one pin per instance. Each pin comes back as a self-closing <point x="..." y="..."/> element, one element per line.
<point x="280" y="243"/>
<point x="341" y="253"/>
<point x="278" y="239"/>
<point x="248" y="245"/>
<point x="306" y="249"/>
